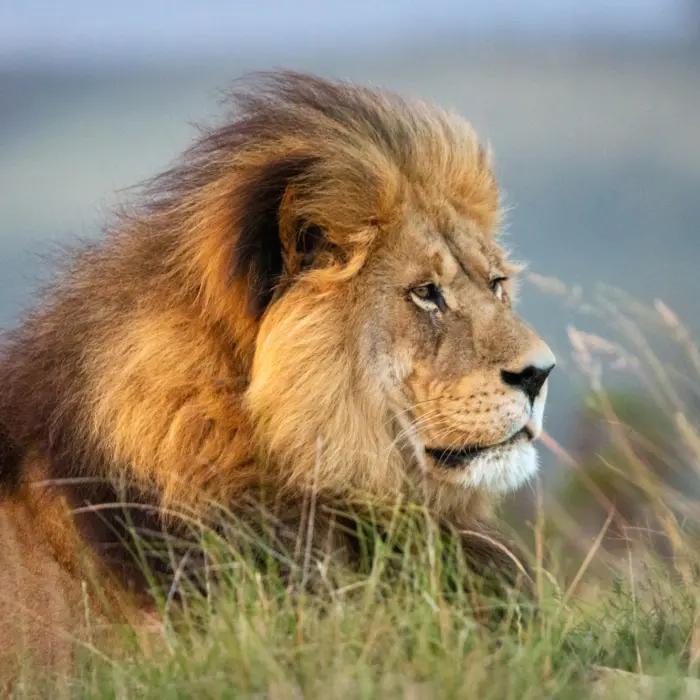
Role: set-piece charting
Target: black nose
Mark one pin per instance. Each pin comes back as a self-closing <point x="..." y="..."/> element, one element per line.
<point x="530" y="380"/>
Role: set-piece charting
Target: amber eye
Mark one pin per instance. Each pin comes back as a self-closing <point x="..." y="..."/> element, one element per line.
<point x="428" y="297"/>
<point x="497" y="287"/>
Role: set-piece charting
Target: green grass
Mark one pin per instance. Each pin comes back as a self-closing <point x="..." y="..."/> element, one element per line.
<point x="401" y="631"/>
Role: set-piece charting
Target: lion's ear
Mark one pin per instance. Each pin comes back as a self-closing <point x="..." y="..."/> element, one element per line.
<point x="312" y="246"/>
<point x="260" y="251"/>
<point x="310" y="240"/>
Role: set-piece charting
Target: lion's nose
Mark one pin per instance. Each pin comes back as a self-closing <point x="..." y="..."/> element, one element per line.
<point x="534" y="369"/>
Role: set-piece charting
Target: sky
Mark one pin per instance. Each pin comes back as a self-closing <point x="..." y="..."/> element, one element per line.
<point x="66" y="29"/>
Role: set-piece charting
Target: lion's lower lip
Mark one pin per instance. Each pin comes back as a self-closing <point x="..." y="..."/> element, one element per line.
<point x="450" y="457"/>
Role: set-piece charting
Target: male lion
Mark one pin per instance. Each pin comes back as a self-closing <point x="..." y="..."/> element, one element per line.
<point x="312" y="301"/>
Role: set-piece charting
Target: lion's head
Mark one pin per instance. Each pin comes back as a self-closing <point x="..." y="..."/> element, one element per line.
<point x="388" y="343"/>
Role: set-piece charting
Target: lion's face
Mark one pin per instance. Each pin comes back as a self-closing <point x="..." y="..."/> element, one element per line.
<point x="465" y="377"/>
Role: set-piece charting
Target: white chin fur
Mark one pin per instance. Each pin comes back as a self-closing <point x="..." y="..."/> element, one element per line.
<point x="502" y="471"/>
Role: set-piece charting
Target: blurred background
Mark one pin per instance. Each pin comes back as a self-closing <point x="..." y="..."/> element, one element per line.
<point x="592" y="108"/>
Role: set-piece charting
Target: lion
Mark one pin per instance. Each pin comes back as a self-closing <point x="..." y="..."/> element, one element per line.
<point x="312" y="302"/>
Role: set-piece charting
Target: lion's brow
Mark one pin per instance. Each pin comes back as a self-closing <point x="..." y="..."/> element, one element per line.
<point x="471" y="261"/>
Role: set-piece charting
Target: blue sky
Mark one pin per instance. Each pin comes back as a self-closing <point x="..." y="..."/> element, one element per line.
<point x="70" y="28"/>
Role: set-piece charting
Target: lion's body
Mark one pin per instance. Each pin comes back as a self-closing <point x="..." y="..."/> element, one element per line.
<point x="40" y="598"/>
<point x="193" y="356"/>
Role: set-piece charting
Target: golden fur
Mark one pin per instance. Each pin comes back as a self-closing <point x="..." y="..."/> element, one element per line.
<point x="268" y="316"/>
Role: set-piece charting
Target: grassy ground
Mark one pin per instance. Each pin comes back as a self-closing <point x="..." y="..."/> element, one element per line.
<point x="620" y="592"/>
<point x="400" y="635"/>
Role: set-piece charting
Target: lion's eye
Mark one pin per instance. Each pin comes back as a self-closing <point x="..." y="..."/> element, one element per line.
<point x="497" y="287"/>
<point x="428" y="297"/>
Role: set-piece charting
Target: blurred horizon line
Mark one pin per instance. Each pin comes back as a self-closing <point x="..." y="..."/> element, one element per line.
<point x="165" y="60"/>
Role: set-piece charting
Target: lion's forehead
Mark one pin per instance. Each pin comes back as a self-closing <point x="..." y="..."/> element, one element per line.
<point x="449" y="254"/>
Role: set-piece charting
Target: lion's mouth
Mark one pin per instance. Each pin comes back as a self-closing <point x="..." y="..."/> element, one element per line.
<point x="458" y="457"/>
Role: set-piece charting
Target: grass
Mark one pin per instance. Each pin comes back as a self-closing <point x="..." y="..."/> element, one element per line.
<point x="397" y="635"/>
<point x="618" y="591"/>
